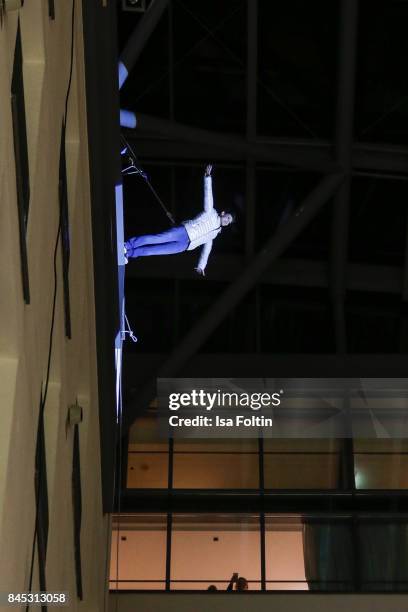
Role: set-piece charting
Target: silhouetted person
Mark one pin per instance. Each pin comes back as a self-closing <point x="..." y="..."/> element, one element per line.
<point x="191" y="234"/>
<point x="241" y="583"/>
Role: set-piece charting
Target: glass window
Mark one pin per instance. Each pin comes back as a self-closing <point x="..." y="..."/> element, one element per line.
<point x="381" y="471"/>
<point x="208" y="549"/>
<point x="144" y="436"/>
<point x="216" y="471"/>
<point x="380" y="445"/>
<point x="383" y="556"/>
<point x="284" y="559"/>
<point x="232" y="464"/>
<point x="147" y="470"/>
<point x="301" y="471"/>
<point x="138" y="558"/>
<point x="313" y="554"/>
<point x="231" y="445"/>
<point x="199" y="586"/>
<point x="147" y="456"/>
<point x="381" y="463"/>
<point x="329" y="555"/>
<point x="301" y="445"/>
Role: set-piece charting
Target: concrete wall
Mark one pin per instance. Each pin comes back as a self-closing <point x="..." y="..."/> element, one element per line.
<point x="24" y="329"/>
<point x="237" y="602"/>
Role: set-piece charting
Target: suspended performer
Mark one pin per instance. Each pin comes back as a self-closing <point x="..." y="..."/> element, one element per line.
<point x="197" y="232"/>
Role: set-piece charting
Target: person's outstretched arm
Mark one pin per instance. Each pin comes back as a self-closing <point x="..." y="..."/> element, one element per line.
<point x="208" y="194"/>
<point x="233" y="580"/>
<point x="205" y="253"/>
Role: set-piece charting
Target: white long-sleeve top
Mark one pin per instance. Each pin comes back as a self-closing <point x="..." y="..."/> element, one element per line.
<point x="204" y="227"/>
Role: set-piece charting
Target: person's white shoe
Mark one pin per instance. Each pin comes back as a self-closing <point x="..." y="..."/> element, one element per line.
<point x="125" y="254"/>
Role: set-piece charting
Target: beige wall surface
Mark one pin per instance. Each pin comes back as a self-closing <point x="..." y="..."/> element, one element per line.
<point x="237" y="602"/>
<point x="25" y="329"/>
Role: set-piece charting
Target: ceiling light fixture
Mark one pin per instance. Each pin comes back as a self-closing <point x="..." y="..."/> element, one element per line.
<point x="138" y="6"/>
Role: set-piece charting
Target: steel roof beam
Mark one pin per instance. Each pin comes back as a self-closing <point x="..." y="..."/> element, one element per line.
<point x="235" y="145"/>
<point x="290" y="272"/>
<point x="190" y="144"/>
<point x="343" y="151"/>
<point x="139" y="38"/>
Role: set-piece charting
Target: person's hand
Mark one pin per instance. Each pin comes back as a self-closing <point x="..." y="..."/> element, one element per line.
<point x="208" y="170"/>
<point x="200" y="271"/>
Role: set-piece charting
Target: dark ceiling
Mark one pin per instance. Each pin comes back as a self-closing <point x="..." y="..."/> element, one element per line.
<point x="193" y="70"/>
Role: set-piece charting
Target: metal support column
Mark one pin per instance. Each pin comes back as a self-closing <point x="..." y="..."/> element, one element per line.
<point x="343" y="150"/>
<point x="139" y="38"/>
<point x="371" y="158"/>
<point x="251" y="131"/>
<point x="404" y="314"/>
<point x="235" y="145"/>
<point x="252" y="65"/>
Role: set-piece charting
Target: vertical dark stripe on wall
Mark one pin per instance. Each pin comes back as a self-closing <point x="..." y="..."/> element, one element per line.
<point x="65" y="241"/>
<point x="41" y="496"/>
<point x="21" y="158"/>
<point x="77" y="511"/>
<point x="169" y="529"/>
<point x="169" y="515"/>
<point x="171" y="462"/>
<point x="2" y="12"/>
<point x="51" y="9"/>
<point x="262" y="513"/>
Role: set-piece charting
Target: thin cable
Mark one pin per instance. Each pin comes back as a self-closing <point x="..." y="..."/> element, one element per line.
<point x="154" y="192"/>
<point x="118" y="487"/>
<point x="129" y="330"/>
<point x="118" y="474"/>
<point x="54" y="301"/>
<point x="71" y="60"/>
<point x="139" y="170"/>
